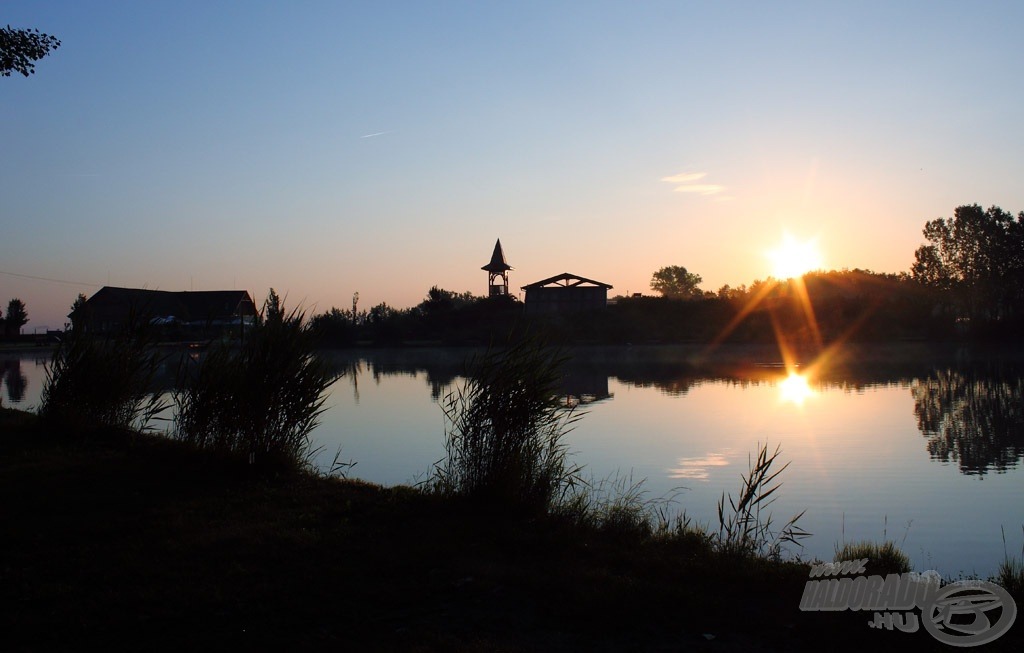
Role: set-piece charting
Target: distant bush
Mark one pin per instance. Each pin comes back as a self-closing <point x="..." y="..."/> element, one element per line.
<point x="103" y="381"/>
<point x="505" y="432"/>
<point x="260" y="398"/>
<point x="884" y="558"/>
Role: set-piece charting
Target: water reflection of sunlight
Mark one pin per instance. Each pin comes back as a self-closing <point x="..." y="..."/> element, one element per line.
<point x="795" y="389"/>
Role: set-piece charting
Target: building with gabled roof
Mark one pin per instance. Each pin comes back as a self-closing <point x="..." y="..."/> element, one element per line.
<point x="566" y="293"/>
<point x="111" y="309"/>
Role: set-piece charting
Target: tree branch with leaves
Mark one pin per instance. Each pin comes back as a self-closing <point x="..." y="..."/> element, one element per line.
<point x="21" y="48"/>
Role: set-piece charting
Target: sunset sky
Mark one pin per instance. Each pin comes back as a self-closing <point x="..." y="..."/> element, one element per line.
<point x="324" y="148"/>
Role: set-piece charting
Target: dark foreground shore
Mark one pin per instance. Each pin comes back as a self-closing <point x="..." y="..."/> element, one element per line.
<point x="126" y="541"/>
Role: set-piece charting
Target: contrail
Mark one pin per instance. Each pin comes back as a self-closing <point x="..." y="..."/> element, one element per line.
<point x="377" y="134"/>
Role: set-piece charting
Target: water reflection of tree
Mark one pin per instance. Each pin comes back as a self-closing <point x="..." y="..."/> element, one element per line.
<point x="16" y="381"/>
<point x="972" y="418"/>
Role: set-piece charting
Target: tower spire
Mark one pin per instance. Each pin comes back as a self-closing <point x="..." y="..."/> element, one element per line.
<point x="497" y="272"/>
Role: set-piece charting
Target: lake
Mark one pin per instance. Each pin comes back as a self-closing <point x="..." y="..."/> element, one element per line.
<point x="921" y="444"/>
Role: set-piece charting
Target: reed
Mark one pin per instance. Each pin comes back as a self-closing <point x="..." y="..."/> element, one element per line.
<point x="261" y="398"/>
<point x="745" y="525"/>
<point x="96" y="380"/>
<point x="505" y="432"/>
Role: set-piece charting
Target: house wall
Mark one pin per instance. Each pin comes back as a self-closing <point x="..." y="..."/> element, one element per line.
<point x="557" y="299"/>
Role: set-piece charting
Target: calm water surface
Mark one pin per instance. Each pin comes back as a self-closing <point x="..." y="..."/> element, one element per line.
<point x="925" y="446"/>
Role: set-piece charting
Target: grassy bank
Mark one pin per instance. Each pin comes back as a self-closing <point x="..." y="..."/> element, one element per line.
<point x="147" y="543"/>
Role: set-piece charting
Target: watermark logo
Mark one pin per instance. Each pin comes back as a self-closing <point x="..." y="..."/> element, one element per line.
<point x="963" y="613"/>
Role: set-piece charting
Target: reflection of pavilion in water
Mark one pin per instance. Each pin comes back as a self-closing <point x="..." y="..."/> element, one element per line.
<point x="581" y="386"/>
<point x="576" y="386"/>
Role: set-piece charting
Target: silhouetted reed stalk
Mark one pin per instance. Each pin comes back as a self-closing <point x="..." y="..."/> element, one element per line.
<point x="103" y="380"/>
<point x="745" y="528"/>
<point x="505" y="432"/>
<point x="260" y="398"/>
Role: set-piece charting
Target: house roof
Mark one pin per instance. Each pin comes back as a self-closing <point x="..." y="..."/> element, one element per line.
<point x="567" y="280"/>
<point x="497" y="263"/>
<point x="194" y="305"/>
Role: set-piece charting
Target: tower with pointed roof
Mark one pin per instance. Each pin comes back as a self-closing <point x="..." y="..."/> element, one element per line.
<point x="497" y="272"/>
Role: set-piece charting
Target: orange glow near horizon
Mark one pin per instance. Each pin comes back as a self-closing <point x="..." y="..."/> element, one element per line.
<point x="793" y="258"/>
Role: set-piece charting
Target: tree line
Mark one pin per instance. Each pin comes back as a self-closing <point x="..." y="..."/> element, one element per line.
<point x="967" y="282"/>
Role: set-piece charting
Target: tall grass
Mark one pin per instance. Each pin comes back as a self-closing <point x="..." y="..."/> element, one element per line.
<point x="505" y="432"/>
<point x="620" y="506"/>
<point x="884" y="558"/>
<point x="103" y="380"/>
<point x="745" y="525"/>
<point x="615" y="505"/>
<point x="260" y="398"/>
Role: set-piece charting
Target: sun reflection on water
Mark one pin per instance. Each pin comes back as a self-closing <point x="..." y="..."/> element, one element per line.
<point x="795" y="389"/>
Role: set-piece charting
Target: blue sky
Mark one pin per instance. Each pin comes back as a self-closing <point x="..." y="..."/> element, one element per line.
<point x="325" y="148"/>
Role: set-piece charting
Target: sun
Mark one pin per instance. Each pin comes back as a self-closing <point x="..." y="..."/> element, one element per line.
<point x="794" y="258"/>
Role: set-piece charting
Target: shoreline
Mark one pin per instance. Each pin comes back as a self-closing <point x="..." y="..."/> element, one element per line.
<point x="119" y="536"/>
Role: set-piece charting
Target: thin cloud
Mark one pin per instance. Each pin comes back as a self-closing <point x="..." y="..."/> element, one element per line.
<point x="698" y="469"/>
<point x="685" y="177"/>
<point x="702" y="189"/>
<point x="683" y="183"/>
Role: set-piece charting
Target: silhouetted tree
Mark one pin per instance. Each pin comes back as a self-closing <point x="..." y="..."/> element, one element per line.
<point x="978" y="257"/>
<point x="77" y="314"/>
<point x="440" y="300"/>
<point x="273" y="310"/>
<point x="335" y="327"/>
<point x="19" y="48"/>
<point x="16" y="317"/>
<point x="676" y="282"/>
<point x="381" y="313"/>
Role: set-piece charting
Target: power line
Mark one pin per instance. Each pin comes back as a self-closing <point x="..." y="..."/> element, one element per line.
<point x="31" y="276"/>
